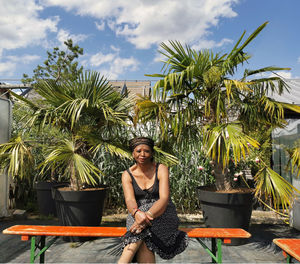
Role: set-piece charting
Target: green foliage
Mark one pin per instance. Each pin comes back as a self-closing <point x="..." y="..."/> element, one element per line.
<point x="193" y="170"/>
<point x="60" y="65"/>
<point x="16" y="156"/>
<point x="198" y="96"/>
<point x="294" y="158"/>
<point x="88" y="114"/>
<point x="112" y="168"/>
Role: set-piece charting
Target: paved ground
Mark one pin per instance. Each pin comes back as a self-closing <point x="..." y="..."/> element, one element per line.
<point x="258" y="249"/>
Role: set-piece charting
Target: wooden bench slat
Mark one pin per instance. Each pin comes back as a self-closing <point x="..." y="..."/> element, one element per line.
<point x="290" y="246"/>
<point x="100" y="231"/>
<point x="87" y="231"/>
<point x="217" y="232"/>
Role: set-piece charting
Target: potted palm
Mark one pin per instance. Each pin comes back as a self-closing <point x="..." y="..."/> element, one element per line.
<point x="198" y="101"/>
<point x="89" y="114"/>
<point x="29" y="146"/>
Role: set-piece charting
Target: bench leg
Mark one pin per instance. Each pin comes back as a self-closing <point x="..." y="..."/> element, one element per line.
<point x="42" y="248"/>
<point x="32" y="249"/>
<point x="216" y="249"/>
<point x="288" y="258"/>
<point x="42" y="245"/>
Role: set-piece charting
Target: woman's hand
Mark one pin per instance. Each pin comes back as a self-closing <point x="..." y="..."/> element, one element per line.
<point x="136" y="228"/>
<point x="143" y="218"/>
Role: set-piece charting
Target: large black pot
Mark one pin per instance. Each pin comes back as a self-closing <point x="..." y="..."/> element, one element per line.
<point x="79" y="208"/>
<point x="227" y="210"/>
<point x="44" y="198"/>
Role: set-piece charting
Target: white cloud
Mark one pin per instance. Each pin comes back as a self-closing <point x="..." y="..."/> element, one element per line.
<point x="64" y="35"/>
<point x="282" y="74"/>
<point x="7" y="68"/>
<point x="100" y="58"/>
<point x="144" y="23"/>
<point x="25" y="59"/>
<point x="209" y="44"/>
<point x="100" y="26"/>
<point x="8" y="64"/>
<point x="298" y="60"/>
<point x="21" y="26"/>
<point x="116" y="49"/>
<point x="112" y="65"/>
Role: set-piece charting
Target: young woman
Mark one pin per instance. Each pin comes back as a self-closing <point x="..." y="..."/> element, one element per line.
<point x="152" y="222"/>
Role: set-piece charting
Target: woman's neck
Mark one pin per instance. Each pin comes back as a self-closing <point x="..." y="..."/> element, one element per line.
<point x="145" y="167"/>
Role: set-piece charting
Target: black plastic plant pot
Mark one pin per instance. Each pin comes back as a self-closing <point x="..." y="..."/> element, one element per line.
<point x="79" y="208"/>
<point x="226" y="210"/>
<point x="45" y="202"/>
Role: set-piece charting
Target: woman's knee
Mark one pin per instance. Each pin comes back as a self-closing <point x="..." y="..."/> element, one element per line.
<point x="144" y="254"/>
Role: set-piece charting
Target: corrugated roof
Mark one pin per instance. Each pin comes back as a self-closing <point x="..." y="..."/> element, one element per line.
<point x="293" y="96"/>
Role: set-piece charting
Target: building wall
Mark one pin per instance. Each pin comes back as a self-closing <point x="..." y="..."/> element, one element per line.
<point x="142" y="88"/>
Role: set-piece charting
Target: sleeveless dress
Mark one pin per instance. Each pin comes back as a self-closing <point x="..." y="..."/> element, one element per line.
<point x="163" y="236"/>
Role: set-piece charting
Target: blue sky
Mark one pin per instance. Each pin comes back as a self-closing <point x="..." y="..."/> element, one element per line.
<point x="121" y="38"/>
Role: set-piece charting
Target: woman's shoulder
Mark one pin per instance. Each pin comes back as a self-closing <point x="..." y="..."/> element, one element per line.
<point x="162" y="171"/>
<point x="162" y="166"/>
<point x="129" y="170"/>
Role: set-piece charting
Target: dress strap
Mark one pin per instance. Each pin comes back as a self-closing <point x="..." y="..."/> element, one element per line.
<point x="130" y="173"/>
<point x="156" y="178"/>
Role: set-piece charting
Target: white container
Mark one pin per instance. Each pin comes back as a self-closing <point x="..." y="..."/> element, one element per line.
<point x="295" y="214"/>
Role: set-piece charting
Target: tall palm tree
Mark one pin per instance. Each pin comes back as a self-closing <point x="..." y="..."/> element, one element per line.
<point x="198" y="94"/>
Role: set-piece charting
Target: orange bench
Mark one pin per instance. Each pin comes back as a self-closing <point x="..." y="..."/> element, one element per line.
<point x="217" y="235"/>
<point x="290" y="247"/>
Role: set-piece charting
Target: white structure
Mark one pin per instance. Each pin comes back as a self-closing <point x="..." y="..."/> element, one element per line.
<point x="5" y="126"/>
<point x="286" y="137"/>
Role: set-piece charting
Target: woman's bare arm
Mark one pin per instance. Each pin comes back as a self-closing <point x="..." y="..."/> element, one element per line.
<point x="160" y="205"/>
<point x="140" y="217"/>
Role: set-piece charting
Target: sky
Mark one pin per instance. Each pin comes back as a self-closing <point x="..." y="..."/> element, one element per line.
<point x="121" y="38"/>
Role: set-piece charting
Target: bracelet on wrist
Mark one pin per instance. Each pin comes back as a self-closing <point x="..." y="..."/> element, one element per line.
<point x="150" y="214"/>
<point x="135" y="212"/>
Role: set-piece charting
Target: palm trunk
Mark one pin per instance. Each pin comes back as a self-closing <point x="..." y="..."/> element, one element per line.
<point x="73" y="179"/>
<point x="221" y="176"/>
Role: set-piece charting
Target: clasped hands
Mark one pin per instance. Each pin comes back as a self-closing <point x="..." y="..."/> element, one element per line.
<point x="142" y="220"/>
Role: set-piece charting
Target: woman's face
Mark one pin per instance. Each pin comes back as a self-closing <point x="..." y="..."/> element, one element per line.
<point x="142" y="154"/>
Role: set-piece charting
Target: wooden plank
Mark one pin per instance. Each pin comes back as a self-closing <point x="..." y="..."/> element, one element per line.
<point x="290" y="246"/>
<point x="93" y="231"/>
<point x="99" y="231"/>
<point x="217" y="232"/>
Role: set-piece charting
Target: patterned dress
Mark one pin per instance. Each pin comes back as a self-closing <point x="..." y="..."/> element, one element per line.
<point x="163" y="236"/>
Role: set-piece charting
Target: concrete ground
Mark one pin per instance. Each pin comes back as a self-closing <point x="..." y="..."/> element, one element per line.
<point x="265" y="226"/>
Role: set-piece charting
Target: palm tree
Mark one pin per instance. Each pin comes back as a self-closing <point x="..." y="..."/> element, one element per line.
<point x="87" y="112"/>
<point x="198" y="94"/>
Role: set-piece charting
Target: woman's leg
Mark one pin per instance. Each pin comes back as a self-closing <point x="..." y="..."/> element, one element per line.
<point x="129" y="252"/>
<point x="144" y="255"/>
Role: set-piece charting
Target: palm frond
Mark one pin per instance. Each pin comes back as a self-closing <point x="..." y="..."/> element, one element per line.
<point x="294" y="158"/>
<point x="164" y="157"/>
<point x="17" y="158"/>
<point x="220" y="140"/>
<point x="114" y="149"/>
<point x="64" y="158"/>
<point x="270" y="184"/>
